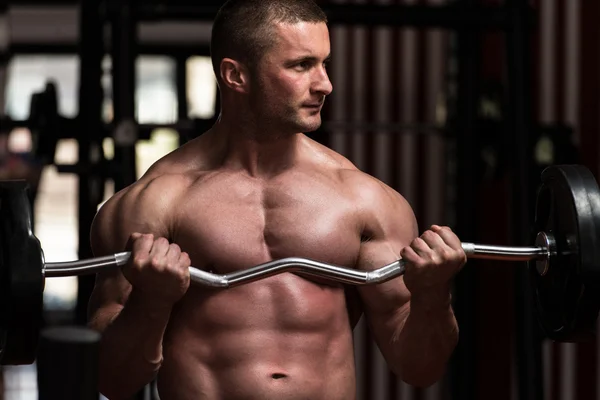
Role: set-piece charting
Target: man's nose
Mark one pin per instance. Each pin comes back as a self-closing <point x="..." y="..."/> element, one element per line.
<point x="322" y="84"/>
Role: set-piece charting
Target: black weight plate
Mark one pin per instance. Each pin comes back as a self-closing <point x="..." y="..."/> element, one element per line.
<point x="21" y="274"/>
<point x="568" y="208"/>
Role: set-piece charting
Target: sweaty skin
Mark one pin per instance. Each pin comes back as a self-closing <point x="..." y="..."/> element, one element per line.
<point x="245" y="193"/>
<point x="276" y="338"/>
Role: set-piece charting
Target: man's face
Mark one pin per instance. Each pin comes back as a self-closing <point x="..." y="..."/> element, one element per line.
<point x="290" y="83"/>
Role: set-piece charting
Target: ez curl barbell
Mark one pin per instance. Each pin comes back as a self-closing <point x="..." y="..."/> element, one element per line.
<point x="564" y="263"/>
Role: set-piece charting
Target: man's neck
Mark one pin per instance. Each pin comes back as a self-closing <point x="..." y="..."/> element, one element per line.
<point x="262" y="153"/>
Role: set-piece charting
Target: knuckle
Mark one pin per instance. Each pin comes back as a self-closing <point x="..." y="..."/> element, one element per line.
<point x="139" y="260"/>
<point x="181" y="274"/>
<point x="176" y="267"/>
<point x="171" y="267"/>
<point x="185" y="273"/>
<point x="427" y="234"/>
<point x="433" y="236"/>
<point x="409" y="258"/>
<point x="184" y="264"/>
<point x="437" y="258"/>
<point x="417" y="242"/>
<point x="446" y="254"/>
<point x="161" y="241"/>
<point x="157" y="261"/>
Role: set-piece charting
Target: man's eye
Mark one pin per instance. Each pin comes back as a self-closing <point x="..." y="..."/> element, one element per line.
<point x="303" y="65"/>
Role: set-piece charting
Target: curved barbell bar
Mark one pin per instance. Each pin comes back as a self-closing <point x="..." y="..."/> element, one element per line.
<point x="297" y="264"/>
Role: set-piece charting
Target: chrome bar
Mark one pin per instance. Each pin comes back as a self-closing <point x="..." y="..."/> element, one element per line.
<point x="504" y="253"/>
<point x="315" y="268"/>
<point x="79" y="267"/>
<point x="204" y="278"/>
<point x="297" y="265"/>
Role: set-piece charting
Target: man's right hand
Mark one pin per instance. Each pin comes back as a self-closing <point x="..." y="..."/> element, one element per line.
<point x="157" y="268"/>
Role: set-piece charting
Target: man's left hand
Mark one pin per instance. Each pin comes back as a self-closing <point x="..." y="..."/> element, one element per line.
<point x="432" y="260"/>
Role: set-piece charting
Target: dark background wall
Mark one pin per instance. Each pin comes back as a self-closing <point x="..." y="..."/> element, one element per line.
<point x="393" y="113"/>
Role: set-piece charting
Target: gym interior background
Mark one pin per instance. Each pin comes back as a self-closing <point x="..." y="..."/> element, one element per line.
<point x="457" y="104"/>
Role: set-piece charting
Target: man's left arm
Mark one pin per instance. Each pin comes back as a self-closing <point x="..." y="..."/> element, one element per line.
<point x="411" y="317"/>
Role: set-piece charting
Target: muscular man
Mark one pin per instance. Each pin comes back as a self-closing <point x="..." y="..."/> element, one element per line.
<point x="253" y="189"/>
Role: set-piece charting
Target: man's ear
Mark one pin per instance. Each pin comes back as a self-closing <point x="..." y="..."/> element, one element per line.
<point x="235" y="75"/>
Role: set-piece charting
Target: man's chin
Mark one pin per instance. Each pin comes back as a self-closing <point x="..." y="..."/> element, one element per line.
<point x="310" y="126"/>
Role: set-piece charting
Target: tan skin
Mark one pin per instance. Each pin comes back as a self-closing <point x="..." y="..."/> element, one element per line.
<point x="251" y="190"/>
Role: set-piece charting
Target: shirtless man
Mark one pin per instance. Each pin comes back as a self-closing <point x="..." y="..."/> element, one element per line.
<point x="250" y="190"/>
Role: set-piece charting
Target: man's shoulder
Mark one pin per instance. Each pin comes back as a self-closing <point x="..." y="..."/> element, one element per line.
<point x="170" y="175"/>
<point x="149" y="206"/>
<point x="325" y="156"/>
<point x="368" y="188"/>
<point x="370" y="193"/>
<point x="350" y="176"/>
<point x="380" y="207"/>
<point x="152" y="194"/>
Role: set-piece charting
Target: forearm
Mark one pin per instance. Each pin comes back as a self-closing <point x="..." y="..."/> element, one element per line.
<point x="425" y="339"/>
<point x="131" y="347"/>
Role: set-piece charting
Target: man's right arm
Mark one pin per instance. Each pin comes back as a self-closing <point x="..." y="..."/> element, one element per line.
<point x="131" y="318"/>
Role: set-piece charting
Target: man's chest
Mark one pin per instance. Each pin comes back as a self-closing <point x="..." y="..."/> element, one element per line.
<point x="226" y="230"/>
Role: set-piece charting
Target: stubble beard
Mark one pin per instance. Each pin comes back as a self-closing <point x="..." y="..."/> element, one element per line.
<point x="298" y="122"/>
<point x="290" y="122"/>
